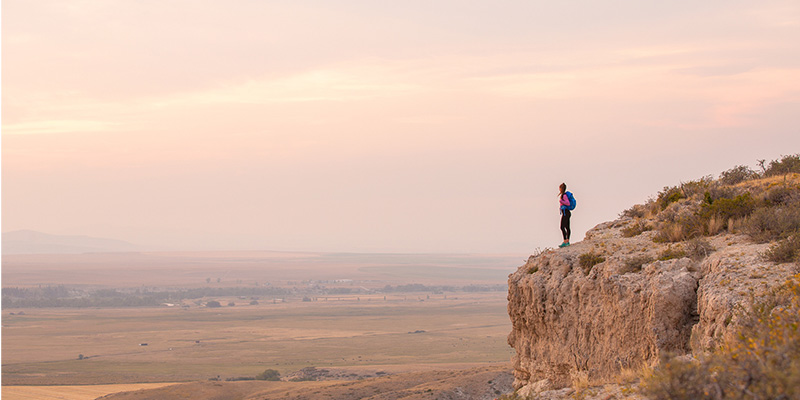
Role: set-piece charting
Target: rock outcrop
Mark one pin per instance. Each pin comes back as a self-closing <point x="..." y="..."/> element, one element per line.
<point x="628" y="308"/>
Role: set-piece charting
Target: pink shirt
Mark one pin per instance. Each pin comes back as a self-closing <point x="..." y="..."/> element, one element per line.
<point x="564" y="201"/>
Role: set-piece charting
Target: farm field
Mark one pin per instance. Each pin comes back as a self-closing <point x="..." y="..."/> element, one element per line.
<point x="364" y="334"/>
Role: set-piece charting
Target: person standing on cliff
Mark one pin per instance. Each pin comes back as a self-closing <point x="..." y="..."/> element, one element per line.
<point x="563" y="204"/>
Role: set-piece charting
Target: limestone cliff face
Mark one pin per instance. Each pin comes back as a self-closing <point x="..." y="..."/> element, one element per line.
<point x="568" y="319"/>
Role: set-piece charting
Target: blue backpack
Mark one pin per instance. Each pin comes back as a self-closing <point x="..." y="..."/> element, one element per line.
<point x="571" y="198"/>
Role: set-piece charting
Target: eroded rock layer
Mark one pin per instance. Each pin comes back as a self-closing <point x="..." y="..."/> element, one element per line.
<point x="569" y="317"/>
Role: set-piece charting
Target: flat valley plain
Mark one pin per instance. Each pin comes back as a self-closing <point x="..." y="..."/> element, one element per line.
<point x="359" y="315"/>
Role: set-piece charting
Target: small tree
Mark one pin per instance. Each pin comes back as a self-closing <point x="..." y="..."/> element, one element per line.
<point x="739" y="173"/>
<point x="269" y="375"/>
<point x="213" y="304"/>
<point x="784" y="166"/>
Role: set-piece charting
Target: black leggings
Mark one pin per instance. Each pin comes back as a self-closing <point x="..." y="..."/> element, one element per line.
<point x="565" y="231"/>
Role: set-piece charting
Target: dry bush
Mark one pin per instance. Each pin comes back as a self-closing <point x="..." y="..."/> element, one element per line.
<point x="682" y="228"/>
<point x="637" y="211"/>
<point x="786" y="250"/>
<point x="677" y="378"/>
<point x="736" y="225"/>
<point x="580" y="381"/>
<point x="589" y="260"/>
<point x="760" y="361"/>
<point x="636" y="228"/>
<point x="782" y="195"/>
<point x="696" y="188"/>
<point x="698" y="248"/>
<point x="671" y="252"/>
<point x="632" y="375"/>
<point x="635" y="263"/>
<point x="773" y="223"/>
<point x="669" y="232"/>
<point x="715" y="225"/>
<point x="679" y="222"/>
<point x="739" y="173"/>
<point x="786" y="165"/>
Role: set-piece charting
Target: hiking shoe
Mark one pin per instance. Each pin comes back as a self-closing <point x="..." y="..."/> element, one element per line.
<point x="563" y="245"/>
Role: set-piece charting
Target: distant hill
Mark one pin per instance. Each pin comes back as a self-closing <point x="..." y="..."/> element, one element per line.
<point x="32" y="242"/>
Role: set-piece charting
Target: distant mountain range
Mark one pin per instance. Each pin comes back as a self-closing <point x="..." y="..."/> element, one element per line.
<point x="32" y="242"/>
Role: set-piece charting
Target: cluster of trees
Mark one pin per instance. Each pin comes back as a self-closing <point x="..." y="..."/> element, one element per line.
<point x="267" y="375"/>
<point x="417" y="287"/>
<point x="61" y="296"/>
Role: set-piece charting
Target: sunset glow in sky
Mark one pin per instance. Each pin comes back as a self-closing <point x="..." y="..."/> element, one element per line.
<point x="348" y="125"/>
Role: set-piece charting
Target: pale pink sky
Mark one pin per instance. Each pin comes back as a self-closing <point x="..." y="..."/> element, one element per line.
<point x="418" y="126"/>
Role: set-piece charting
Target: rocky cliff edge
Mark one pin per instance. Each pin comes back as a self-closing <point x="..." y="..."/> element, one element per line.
<point x="638" y="300"/>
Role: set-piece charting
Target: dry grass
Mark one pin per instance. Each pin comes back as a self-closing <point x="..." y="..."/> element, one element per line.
<point x="635" y="263"/>
<point x="580" y="380"/>
<point x="474" y="383"/>
<point x="42" y="347"/>
<point x="82" y="392"/>
<point x="589" y="260"/>
<point x="635" y="228"/>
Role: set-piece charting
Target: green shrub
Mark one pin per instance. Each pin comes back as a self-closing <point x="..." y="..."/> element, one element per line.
<point x="727" y="208"/>
<point x="668" y="196"/>
<point x="589" y="260"/>
<point x="786" y="250"/>
<point x="721" y="192"/>
<point x="739" y="173"/>
<point x="760" y="360"/>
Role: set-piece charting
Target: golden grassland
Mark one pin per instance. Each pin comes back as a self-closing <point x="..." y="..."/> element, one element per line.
<point x="43" y="346"/>
<point x="363" y="336"/>
<point x="363" y="333"/>
<point x="74" y="392"/>
<point x="472" y="383"/>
